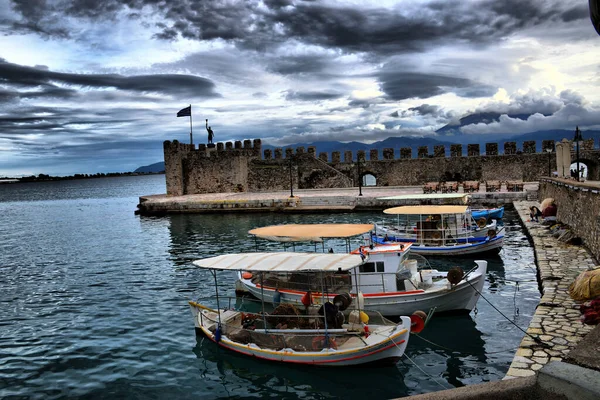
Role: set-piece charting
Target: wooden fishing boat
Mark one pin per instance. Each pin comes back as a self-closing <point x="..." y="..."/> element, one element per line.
<point x="325" y="333"/>
<point x="391" y="281"/>
<point x="438" y="230"/>
<point x="489" y="213"/>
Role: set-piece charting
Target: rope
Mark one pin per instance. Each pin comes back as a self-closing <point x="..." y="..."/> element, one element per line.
<point x="515" y="298"/>
<point x="535" y="338"/>
<point x="419" y="368"/>
<point x="425" y="373"/>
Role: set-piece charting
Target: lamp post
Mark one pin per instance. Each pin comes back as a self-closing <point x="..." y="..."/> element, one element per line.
<point x="549" y="151"/>
<point x="291" y="180"/>
<point x="578" y="137"/>
<point x="359" y="177"/>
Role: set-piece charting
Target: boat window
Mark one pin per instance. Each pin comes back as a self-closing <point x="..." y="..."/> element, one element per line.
<point x="367" y="267"/>
<point x="380" y="266"/>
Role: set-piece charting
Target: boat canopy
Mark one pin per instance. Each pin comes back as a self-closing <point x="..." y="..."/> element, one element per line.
<point x="312" y="232"/>
<point x="431" y="196"/>
<point x="282" y="262"/>
<point x="426" y="210"/>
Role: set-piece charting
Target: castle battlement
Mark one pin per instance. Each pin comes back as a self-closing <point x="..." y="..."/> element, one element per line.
<point x="240" y="166"/>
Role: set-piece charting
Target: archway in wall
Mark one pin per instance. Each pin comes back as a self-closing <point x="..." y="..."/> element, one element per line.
<point x="369" y="180"/>
<point x="583" y="170"/>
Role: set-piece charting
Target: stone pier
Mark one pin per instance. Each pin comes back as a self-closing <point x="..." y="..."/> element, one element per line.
<point x="556" y="321"/>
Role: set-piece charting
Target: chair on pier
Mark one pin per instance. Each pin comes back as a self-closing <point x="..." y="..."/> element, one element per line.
<point x="514" y="186"/>
<point x="449" y="187"/>
<point x="471" y="186"/>
<point x="431" y="187"/>
<point x="493" y="186"/>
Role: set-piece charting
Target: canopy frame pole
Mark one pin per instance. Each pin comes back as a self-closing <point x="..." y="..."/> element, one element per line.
<point x="262" y="299"/>
<point x="214" y="273"/>
<point x="324" y="307"/>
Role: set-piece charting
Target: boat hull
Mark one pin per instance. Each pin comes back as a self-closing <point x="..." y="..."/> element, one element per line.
<point x="496" y="213"/>
<point x="461" y="297"/>
<point x="389" y="349"/>
<point x="477" y="246"/>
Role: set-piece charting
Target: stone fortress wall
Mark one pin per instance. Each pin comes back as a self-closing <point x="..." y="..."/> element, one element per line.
<point x="240" y="166"/>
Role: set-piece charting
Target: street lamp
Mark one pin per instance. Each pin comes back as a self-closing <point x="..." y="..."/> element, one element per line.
<point x="359" y="177"/>
<point x="291" y="179"/>
<point x="578" y="138"/>
<point x="549" y="151"/>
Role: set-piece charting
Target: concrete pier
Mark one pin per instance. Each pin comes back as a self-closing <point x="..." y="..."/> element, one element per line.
<point x="317" y="200"/>
<point x="556" y="321"/>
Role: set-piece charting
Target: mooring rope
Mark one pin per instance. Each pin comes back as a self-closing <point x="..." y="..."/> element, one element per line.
<point x="535" y="338"/>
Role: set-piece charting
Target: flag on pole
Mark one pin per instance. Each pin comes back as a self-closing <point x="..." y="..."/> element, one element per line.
<point x="185" y="112"/>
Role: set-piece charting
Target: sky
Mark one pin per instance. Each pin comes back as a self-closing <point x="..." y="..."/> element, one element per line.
<point x="92" y="86"/>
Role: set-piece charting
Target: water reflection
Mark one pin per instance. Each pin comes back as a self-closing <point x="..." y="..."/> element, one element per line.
<point x="238" y="375"/>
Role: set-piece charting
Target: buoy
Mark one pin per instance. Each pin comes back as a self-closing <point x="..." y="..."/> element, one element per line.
<point x="247" y="275"/>
<point x="364" y="318"/>
<point x="421" y="314"/>
<point x="306" y="299"/>
<point x="491" y="233"/>
<point x="360" y="301"/>
<point x="455" y="275"/>
<point x="342" y="300"/>
<point x="482" y="222"/>
<point x="416" y="323"/>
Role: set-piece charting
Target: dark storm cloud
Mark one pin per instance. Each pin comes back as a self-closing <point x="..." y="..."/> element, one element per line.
<point x="311" y="95"/>
<point x="400" y="85"/>
<point x="427" y="109"/>
<point x="297" y="64"/>
<point x="170" y="84"/>
<point x="370" y="29"/>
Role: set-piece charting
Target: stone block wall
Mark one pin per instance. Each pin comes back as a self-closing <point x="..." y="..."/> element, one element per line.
<point x="238" y="166"/>
<point x="578" y="205"/>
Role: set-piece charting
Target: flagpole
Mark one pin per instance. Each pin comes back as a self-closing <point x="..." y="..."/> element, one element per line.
<point x="191" y="140"/>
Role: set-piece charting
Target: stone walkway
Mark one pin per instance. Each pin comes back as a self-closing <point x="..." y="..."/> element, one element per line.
<point x="556" y="321"/>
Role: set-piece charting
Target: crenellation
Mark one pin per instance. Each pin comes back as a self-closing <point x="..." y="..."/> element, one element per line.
<point x="510" y="148"/>
<point x="240" y="166"/>
<point x="529" y="147"/>
<point x="347" y="156"/>
<point x="491" y="149"/>
<point x="548" y="144"/>
<point x="473" y="150"/>
<point x="335" y="157"/>
<point x="456" y="150"/>
<point x="405" y="152"/>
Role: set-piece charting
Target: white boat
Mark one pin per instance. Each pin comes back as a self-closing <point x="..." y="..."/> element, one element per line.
<point x="337" y="336"/>
<point x="389" y="282"/>
<point x="439" y="231"/>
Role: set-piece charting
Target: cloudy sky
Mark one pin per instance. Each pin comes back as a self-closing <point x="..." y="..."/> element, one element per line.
<point x="94" y="86"/>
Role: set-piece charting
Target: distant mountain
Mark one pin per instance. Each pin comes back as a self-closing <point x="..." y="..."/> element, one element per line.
<point x="393" y="142"/>
<point x="152" y="168"/>
<point x="452" y="130"/>
<point x="396" y="143"/>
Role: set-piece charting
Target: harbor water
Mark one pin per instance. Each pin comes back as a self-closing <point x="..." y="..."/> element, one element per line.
<point x="93" y="304"/>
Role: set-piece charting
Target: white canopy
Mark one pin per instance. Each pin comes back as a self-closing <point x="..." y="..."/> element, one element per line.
<point x="426" y="210"/>
<point x="282" y="262"/>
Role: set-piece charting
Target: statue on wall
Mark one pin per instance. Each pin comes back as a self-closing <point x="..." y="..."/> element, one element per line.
<point x="210" y="133"/>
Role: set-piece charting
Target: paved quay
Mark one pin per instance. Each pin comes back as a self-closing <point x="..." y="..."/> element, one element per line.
<point x="556" y="320"/>
<point x="316" y="200"/>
